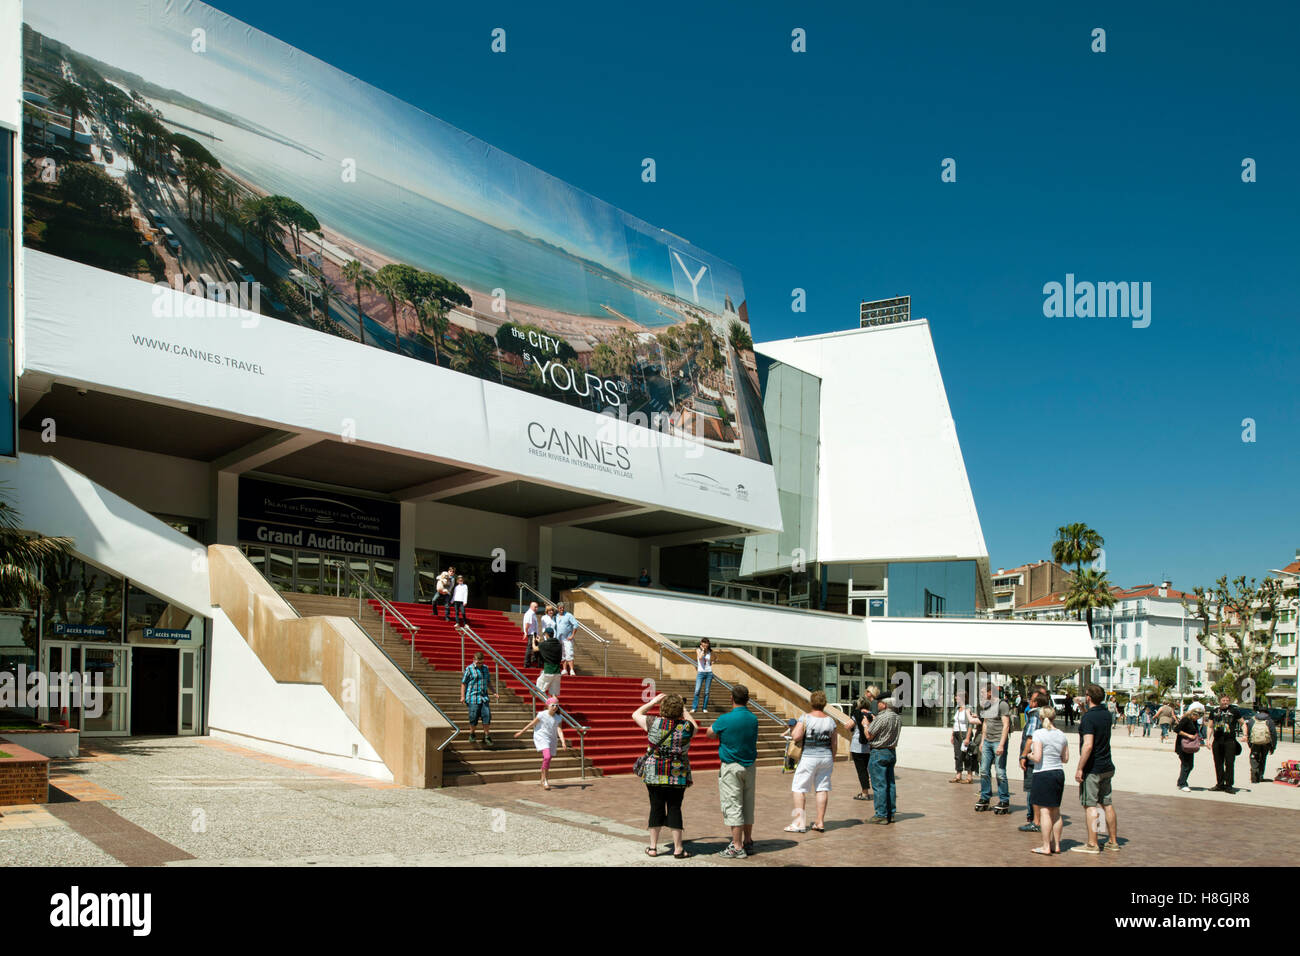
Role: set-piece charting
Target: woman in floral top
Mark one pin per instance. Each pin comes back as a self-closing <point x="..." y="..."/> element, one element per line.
<point x="667" y="769"/>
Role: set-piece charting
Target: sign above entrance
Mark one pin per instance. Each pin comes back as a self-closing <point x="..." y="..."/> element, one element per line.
<point x="307" y="518"/>
<point x="81" y="630"/>
<point x="167" y="634"/>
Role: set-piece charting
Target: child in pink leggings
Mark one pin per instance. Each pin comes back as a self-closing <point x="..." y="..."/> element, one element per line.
<point x="547" y="733"/>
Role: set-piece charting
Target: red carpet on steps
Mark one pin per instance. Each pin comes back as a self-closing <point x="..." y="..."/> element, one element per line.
<point x="604" y="704"/>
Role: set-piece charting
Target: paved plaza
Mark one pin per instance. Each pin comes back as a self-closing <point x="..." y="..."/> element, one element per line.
<point x="200" y="802"/>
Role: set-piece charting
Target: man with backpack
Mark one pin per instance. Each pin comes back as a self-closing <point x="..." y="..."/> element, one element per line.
<point x="1261" y="734"/>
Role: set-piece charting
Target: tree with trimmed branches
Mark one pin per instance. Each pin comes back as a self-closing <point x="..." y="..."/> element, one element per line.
<point x="1245" y="654"/>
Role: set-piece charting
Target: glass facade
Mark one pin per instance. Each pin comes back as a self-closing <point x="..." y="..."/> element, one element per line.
<point x="932" y="589"/>
<point x="792" y="407"/>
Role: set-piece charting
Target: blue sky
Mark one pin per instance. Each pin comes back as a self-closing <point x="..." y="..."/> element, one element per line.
<point x="822" y="171"/>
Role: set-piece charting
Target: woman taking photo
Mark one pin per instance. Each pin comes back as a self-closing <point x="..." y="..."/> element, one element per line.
<point x="859" y="746"/>
<point x="963" y="719"/>
<point x="1050" y="752"/>
<point x="666" y="768"/>
<point x="817" y="732"/>
<point x="1187" y="740"/>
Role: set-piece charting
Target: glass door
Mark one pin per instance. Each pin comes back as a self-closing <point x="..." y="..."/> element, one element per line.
<point x="107" y="713"/>
<point x="190" y="661"/>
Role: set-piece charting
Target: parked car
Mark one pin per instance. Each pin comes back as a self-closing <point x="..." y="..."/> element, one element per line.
<point x="240" y="272"/>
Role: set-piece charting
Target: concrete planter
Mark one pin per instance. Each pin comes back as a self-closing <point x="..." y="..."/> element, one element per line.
<point x="56" y="744"/>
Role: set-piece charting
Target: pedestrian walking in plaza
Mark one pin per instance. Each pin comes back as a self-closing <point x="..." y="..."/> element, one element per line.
<point x="962" y="718"/>
<point x="996" y="715"/>
<point x="860" y="746"/>
<point x="1225" y="723"/>
<point x="666" y="767"/>
<point x="883" y="732"/>
<point x="474" y="684"/>
<point x="1131" y="715"/>
<point x="1069" y="710"/>
<point x="817" y="732"/>
<point x="703" y="674"/>
<point x="1096" y="770"/>
<point x="1032" y="723"/>
<point x="1114" y="711"/>
<point x="460" y="598"/>
<point x="1187" y="740"/>
<point x="1144" y="719"/>
<point x="1261" y="735"/>
<point x="566" y="625"/>
<point x="530" y="635"/>
<point x="1050" y="752"/>
<point x="548" y="681"/>
<point x="1165" y="717"/>
<point x="737" y="734"/>
<point x="548" y="735"/>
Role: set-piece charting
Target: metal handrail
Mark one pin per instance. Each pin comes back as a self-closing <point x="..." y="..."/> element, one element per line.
<point x="684" y="656"/>
<point x="455" y="727"/>
<point x="518" y="675"/>
<point x="387" y="605"/>
<point x="523" y="586"/>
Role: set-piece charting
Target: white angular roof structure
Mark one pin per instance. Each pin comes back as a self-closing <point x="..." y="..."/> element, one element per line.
<point x="892" y="482"/>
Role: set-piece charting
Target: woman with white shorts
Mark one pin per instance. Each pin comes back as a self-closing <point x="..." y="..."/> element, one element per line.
<point x="817" y="732"/>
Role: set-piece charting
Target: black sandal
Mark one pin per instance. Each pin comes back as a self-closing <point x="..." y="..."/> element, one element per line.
<point x="651" y="851"/>
<point x="684" y="855"/>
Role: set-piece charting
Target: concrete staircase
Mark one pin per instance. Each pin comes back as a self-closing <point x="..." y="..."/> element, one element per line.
<point x="510" y="758"/>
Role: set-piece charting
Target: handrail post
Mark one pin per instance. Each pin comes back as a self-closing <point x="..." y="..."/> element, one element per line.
<point x="604" y="649"/>
<point x="413" y="633"/>
<point x="462" y="649"/>
<point x="582" y="754"/>
<point x="661" y="663"/>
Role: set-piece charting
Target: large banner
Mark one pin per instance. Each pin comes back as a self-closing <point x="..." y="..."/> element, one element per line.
<point x="170" y="143"/>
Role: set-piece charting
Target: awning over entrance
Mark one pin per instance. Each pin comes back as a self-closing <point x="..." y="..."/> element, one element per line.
<point x="1016" y="647"/>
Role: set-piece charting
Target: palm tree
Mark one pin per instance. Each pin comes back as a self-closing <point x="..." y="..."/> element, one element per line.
<point x="71" y="96"/>
<point x="190" y="169"/>
<point x="1090" y="589"/>
<point x="207" y="184"/>
<point x="740" y="338"/>
<point x="260" y="218"/>
<point x="328" y="292"/>
<point x="390" y="282"/>
<point x="478" y="354"/>
<point x="361" y="278"/>
<point x="434" y="321"/>
<point x="22" y="556"/>
<point x="1075" y="544"/>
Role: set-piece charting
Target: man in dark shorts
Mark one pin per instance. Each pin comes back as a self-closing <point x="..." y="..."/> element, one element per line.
<point x="1095" y="771"/>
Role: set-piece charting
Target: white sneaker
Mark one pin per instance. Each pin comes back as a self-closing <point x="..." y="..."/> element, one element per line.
<point x="1187" y="789"/>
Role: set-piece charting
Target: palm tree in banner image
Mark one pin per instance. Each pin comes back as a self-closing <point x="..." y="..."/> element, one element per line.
<point x="190" y="171"/>
<point x="740" y="338"/>
<point x="438" y="295"/>
<point x="478" y="355"/>
<point x="361" y="278"/>
<point x="296" y="217"/>
<point x="207" y="184"/>
<point x="259" y="217"/>
<point x="71" y="97"/>
<point x="392" y="282"/>
<point x="1090" y="589"/>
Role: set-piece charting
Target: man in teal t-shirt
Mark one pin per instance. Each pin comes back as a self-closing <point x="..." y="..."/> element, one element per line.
<point x="737" y="733"/>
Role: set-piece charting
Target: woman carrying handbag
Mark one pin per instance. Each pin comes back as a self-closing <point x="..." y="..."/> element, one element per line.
<point x="1187" y="740"/>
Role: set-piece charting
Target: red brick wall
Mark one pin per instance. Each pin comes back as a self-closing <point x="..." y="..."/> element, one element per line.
<point x="24" y="776"/>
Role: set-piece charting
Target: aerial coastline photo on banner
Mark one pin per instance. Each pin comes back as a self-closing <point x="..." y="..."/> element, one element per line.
<point x="221" y="161"/>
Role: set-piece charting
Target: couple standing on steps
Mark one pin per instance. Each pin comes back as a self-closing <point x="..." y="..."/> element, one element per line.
<point x="556" y="621"/>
